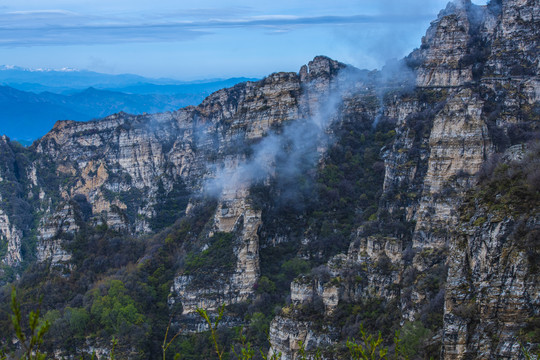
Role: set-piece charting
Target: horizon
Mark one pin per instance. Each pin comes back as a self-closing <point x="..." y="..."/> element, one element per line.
<point x="208" y="39"/>
<point x="10" y="67"/>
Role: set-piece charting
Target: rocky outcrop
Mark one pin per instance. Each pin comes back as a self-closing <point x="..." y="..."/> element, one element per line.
<point x="460" y="143"/>
<point x="492" y="289"/>
<point x="371" y="269"/>
<point x="233" y="215"/>
<point x="289" y="336"/>
<point x="13" y="205"/>
<point x="514" y="46"/>
<point x="11" y="237"/>
<point x="445" y="45"/>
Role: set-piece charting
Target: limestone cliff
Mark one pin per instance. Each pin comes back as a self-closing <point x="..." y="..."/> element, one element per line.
<point x="118" y="172"/>
<point x="14" y="217"/>
<point x="469" y="101"/>
<point x="492" y="289"/>
<point x="371" y="174"/>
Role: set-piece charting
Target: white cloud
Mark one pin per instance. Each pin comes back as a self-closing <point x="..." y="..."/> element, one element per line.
<point x="64" y="27"/>
<point x="42" y="12"/>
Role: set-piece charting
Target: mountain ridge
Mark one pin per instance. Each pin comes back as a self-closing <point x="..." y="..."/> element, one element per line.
<point x="21" y="120"/>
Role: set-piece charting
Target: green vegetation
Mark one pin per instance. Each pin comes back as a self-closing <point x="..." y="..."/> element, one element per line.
<point x="213" y="328"/>
<point x="170" y="205"/>
<point x="325" y="203"/>
<point x="113" y="289"/>
<point x="216" y="259"/>
<point x="412" y="339"/>
<point x="531" y="332"/>
<point x="32" y="340"/>
<point x="529" y="355"/>
<point x="114" y="309"/>
<point x="374" y="314"/>
<point x="511" y="189"/>
<point x="369" y="348"/>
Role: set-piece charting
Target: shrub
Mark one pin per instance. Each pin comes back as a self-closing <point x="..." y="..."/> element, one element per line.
<point x="217" y="258"/>
<point x="115" y="310"/>
<point x="413" y="335"/>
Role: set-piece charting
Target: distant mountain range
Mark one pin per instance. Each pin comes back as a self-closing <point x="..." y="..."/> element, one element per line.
<point x="69" y="81"/>
<point x="31" y="101"/>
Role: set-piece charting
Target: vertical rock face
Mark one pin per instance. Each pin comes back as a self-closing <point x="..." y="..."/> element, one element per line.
<point x="234" y="214"/>
<point x="444" y="47"/>
<point x="51" y="230"/>
<point x="11" y="237"/>
<point x="491" y="293"/>
<point x="13" y="207"/>
<point x="235" y="206"/>
<point x="492" y="290"/>
<point x="464" y="135"/>
<point x="514" y="47"/>
<point x="459" y="143"/>
<point x="466" y="107"/>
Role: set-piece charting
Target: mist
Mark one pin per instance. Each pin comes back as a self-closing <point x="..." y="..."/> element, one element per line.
<point x="299" y="144"/>
<point x="288" y="150"/>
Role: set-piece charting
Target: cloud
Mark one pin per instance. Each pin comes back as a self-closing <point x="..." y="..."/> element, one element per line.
<point x="62" y="27"/>
<point x="42" y="12"/>
<point x="94" y="35"/>
<point x="284" y="20"/>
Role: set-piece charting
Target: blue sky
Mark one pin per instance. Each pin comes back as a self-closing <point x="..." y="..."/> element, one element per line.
<point x="187" y="39"/>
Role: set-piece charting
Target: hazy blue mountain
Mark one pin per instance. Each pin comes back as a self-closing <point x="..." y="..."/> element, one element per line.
<point x="199" y="87"/>
<point x="33" y="100"/>
<point x="27" y="116"/>
<point x="69" y="81"/>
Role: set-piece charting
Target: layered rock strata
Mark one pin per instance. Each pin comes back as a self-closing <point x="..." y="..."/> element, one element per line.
<point x="469" y="99"/>
<point x="476" y="94"/>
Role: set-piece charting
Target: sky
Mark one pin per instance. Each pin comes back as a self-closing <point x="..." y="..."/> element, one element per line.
<point x="202" y="39"/>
